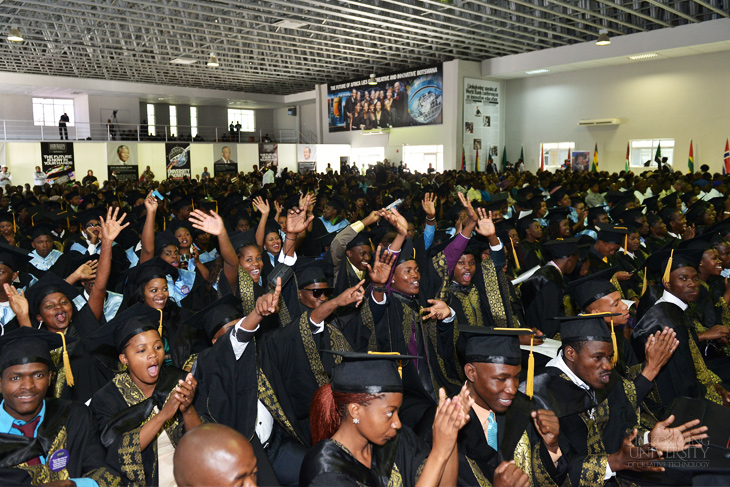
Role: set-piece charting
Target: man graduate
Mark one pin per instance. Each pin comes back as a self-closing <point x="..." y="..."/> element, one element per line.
<point x="44" y="440"/>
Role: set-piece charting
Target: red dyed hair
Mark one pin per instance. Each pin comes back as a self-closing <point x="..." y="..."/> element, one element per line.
<point x="328" y="410"/>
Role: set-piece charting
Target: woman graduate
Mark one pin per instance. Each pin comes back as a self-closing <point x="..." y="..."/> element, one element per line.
<point x="144" y="411"/>
<point x="359" y="440"/>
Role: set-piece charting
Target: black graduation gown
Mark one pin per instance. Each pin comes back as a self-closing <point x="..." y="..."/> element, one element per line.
<point x="121" y="410"/>
<point x="227" y="393"/>
<point x="518" y="440"/>
<point x="62" y="268"/>
<point x="330" y="464"/>
<point x="66" y="425"/>
<point x="655" y="243"/>
<point x="543" y="298"/>
<point x="631" y="288"/>
<point x="292" y="360"/>
<point x="531" y="254"/>
<point x="596" y="262"/>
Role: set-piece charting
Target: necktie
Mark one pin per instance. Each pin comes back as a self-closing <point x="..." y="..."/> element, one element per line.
<point x="492" y="431"/>
<point x="28" y="430"/>
<point x="244" y="336"/>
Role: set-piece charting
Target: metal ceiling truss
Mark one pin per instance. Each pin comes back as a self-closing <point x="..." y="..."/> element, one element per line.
<point x="135" y="40"/>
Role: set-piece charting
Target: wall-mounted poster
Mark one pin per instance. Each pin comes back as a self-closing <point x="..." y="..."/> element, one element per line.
<point x="121" y="158"/>
<point x="481" y="119"/>
<point x="178" y="160"/>
<point x="580" y="160"/>
<point x="57" y="161"/>
<point x="306" y="153"/>
<point x="268" y="153"/>
<point x="225" y="160"/>
<point x="397" y="100"/>
<point x="303" y="167"/>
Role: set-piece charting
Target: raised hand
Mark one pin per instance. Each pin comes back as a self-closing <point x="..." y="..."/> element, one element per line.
<point x="17" y="299"/>
<point x="658" y="350"/>
<point x="429" y="205"/>
<point x="395" y="219"/>
<point x="355" y="294"/>
<point x="151" y="203"/>
<point x="466" y="402"/>
<point x="112" y="226"/>
<point x="548" y="426"/>
<point x="679" y="438"/>
<point x="636" y="458"/>
<point x="508" y="475"/>
<point x="185" y="392"/>
<point x="262" y="205"/>
<point x="485" y="225"/>
<point x="278" y="208"/>
<point x="86" y="271"/>
<point x="268" y="304"/>
<point x="379" y="272"/>
<point x="466" y="203"/>
<point x="438" y="310"/>
<point x="447" y="423"/>
<point x="211" y="223"/>
<point x="297" y="220"/>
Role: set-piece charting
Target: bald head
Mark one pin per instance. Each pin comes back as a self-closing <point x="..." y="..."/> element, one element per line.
<point x="213" y="454"/>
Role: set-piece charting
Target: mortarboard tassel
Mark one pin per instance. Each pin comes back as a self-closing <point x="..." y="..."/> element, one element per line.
<point x="66" y="361"/>
<point x="159" y="329"/>
<point x="643" y="284"/>
<point x="400" y="365"/>
<point x="626" y="244"/>
<point x="514" y="253"/>
<point x="529" y="386"/>
<point x="15" y="227"/>
<point x="668" y="270"/>
<point x="614" y="357"/>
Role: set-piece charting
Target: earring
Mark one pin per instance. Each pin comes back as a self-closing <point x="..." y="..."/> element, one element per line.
<point x="355" y="421"/>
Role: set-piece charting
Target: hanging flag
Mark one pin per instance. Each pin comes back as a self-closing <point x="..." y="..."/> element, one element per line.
<point x="566" y="165"/>
<point x="490" y="160"/>
<point x="476" y="163"/>
<point x="658" y="155"/>
<point x="522" y="154"/>
<point x="626" y="168"/>
<point x="726" y="158"/>
<point x="504" y="158"/>
<point x="691" y="161"/>
<point x="542" y="158"/>
<point x="595" y="159"/>
<point x="463" y="159"/>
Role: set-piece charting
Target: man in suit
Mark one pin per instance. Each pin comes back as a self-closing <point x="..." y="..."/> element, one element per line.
<point x="225" y="156"/>
<point x="401" y="105"/>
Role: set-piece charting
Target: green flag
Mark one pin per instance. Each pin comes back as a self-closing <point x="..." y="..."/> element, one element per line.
<point x="658" y="156"/>
<point x="504" y="158"/>
<point x="522" y="154"/>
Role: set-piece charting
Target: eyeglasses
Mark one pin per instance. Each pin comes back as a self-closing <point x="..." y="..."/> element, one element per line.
<point x="318" y="293"/>
<point x="89" y="225"/>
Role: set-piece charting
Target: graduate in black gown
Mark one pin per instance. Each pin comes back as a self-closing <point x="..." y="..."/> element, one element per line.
<point x="44" y="440"/>
<point x="359" y="438"/>
<point x="505" y="424"/>
<point x="144" y="411"/>
<point x="599" y="412"/>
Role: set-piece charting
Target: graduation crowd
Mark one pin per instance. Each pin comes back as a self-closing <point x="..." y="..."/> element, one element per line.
<point x="383" y="329"/>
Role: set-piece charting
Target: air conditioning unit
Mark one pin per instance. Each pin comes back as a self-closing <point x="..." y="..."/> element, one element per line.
<point x="599" y="121"/>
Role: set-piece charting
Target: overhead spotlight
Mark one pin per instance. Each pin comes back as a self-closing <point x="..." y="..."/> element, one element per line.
<point x="603" y="39"/>
<point x="213" y="61"/>
<point x="372" y="81"/>
<point x="15" y="35"/>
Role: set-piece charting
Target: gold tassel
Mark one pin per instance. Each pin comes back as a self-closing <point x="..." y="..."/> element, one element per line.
<point x="614" y="357"/>
<point x="159" y="329"/>
<point x="66" y="362"/>
<point x="15" y="227"/>
<point x="668" y="269"/>
<point x="643" y="284"/>
<point x="514" y="253"/>
<point x="400" y="365"/>
<point x="529" y="386"/>
<point x="626" y="244"/>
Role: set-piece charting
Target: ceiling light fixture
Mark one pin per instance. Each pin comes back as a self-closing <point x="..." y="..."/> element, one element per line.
<point x="213" y="61"/>
<point x="603" y="39"/>
<point x="648" y="55"/>
<point x="15" y="35"/>
<point x="537" y="71"/>
<point x="372" y="81"/>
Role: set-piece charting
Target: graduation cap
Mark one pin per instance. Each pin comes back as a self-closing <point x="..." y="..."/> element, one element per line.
<point x="524" y="223"/>
<point x="154" y="268"/>
<point x="27" y="345"/>
<point x="362" y="238"/>
<point x="696" y="211"/>
<point x="216" y="315"/>
<point x="477" y="244"/>
<point x="702" y="242"/>
<point x="596" y="212"/>
<point x="368" y="373"/>
<point x="407" y="252"/>
<point x="589" y="289"/>
<point x="651" y="203"/>
<point x="181" y="203"/>
<point x="687" y="197"/>
<point x="616" y="234"/>
<point x="666" y="261"/>
<point x="558" y="213"/>
<point x="561" y="247"/>
<point x="243" y="239"/>
<point x="336" y="203"/>
<point x="84" y="217"/>
<point x="311" y="274"/>
<point x="615" y="196"/>
<point x="138" y="318"/>
<point x="163" y="239"/>
<point x="13" y="256"/>
<point x="589" y="328"/>
<point x="48" y="284"/>
<point x="631" y="214"/>
<point x="498" y="346"/>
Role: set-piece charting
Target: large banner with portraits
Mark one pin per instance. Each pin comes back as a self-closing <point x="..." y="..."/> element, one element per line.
<point x="177" y="157"/>
<point x="122" y="161"/>
<point x="268" y="154"/>
<point x="224" y="160"/>
<point x="402" y="99"/>
<point x="481" y="121"/>
<point x="57" y="161"/>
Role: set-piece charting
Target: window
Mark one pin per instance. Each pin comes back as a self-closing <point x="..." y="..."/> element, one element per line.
<point x="193" y="121"/>
<point x="367" y="156"/>
<point x="48" y="111"/>
<point x="643" y="151"/>
<point x="151" y="130"/>
<point x="173" y="120"/>
<point x="555" y="153"/>
<point x="246" y="118"/>
<point x="418" y="157"/>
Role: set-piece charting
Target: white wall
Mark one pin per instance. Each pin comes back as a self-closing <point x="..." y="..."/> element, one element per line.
<point x="307" y="118"/>
<point x="681" y="98"/>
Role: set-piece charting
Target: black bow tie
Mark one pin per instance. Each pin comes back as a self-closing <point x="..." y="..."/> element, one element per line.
<point x="458" y="288"/>
<point x="244" y="336"/>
